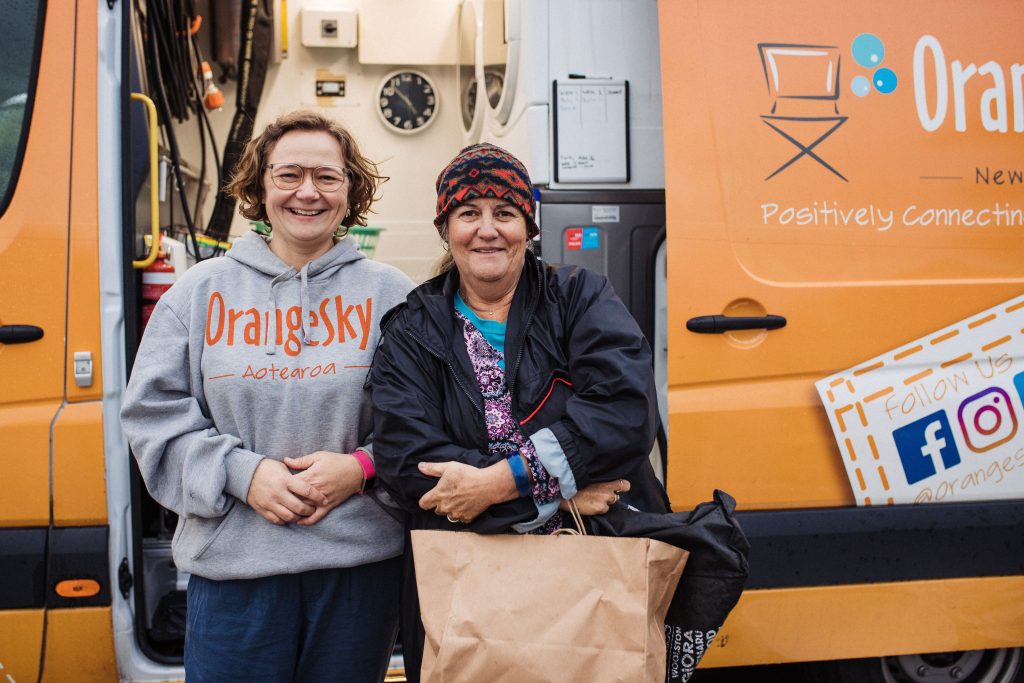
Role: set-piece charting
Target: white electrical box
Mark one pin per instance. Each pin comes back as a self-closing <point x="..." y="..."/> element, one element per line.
<point x="328" y="27"/>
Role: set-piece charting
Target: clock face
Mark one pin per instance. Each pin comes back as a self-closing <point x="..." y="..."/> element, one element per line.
<point x="407" y="101"/>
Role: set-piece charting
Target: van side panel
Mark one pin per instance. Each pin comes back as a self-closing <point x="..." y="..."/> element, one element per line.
<point x="762" y="154"/>
<point x="846" y="622"/>
<point x="79" y="487"/>
<point x="33" y="267"/>
<point x="83" y="261"/>
<point x="793" y="196"/>
<point x="33" y="231"/>
<point x="79" y="646"/>
<point x="25" y="460"/>
<point x="21" y="642"/>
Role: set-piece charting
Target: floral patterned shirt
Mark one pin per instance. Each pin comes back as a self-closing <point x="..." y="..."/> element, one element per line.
<point x="503" y="434"/>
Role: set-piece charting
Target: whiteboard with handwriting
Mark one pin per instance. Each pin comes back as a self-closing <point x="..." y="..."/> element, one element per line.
<point x="591" y="131"/>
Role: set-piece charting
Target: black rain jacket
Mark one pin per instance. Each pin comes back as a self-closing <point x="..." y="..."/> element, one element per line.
<point x="576" y="364"/>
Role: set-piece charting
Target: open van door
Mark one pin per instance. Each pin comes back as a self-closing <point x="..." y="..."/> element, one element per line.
<point x="35" y="131"/>
<point x="53" y="533"/>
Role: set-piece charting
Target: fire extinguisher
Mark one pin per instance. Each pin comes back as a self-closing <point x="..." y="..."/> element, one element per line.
<point x="157" y="278"/>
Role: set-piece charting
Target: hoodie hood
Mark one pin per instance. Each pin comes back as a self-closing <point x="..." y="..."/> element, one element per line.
<point x="253" y="251"/>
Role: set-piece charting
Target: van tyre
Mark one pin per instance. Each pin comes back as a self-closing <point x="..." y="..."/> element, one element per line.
<point x="1005" y="665"/>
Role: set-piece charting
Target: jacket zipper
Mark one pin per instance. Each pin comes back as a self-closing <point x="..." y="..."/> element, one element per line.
<point x="526" y="330"/>
<point x="451" y="368"/>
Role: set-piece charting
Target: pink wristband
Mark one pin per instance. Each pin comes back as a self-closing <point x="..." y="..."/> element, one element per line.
<point x="363" y="458"/>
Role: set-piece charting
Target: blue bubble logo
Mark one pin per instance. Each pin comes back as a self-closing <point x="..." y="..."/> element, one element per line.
<point x="868" y="50"/>
<point x="884" y="81"/>
<point x="861" y="86"/>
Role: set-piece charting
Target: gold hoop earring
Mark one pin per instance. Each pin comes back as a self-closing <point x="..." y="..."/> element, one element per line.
<point x="341" y="231"/>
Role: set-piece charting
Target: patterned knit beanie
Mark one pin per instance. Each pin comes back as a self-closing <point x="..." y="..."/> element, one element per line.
<point x="484" y="170"/>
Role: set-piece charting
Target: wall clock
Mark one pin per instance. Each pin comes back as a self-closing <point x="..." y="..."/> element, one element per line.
<point x="407" y="101"/>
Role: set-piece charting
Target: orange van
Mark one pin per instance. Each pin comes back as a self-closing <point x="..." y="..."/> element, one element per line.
<point x="843" y="188"/>
<point x="845" y="217"/>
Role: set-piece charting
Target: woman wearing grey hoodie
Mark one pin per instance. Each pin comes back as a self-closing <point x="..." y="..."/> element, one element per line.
<point x="247" y="415"/>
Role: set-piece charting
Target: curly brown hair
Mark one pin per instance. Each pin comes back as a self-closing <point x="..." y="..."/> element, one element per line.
<point x="246" y="184"/>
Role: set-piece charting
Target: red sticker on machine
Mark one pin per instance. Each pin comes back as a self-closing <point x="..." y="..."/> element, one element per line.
<point x="574" y="238"/>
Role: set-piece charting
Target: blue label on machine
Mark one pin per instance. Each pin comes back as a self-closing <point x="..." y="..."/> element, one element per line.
<point x="591" y="238"/>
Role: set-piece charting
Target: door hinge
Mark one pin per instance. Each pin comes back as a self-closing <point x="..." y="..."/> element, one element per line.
<point x="83" y="368"/>
<point x="124" y="578"/>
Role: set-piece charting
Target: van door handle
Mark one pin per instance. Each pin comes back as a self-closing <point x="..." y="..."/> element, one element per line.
<point x="19" y="334"/>
<point x="717" y="324"/>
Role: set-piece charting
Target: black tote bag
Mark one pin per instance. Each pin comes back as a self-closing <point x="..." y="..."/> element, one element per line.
<point x="712" y="581"/>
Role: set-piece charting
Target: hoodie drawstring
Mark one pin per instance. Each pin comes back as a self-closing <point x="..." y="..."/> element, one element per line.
<point x="271" y="344"/>
<point x="254" y="252"/>
<point x="304" y="300"/>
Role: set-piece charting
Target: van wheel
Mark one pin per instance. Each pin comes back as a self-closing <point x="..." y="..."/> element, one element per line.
<point x="971" y="666"/>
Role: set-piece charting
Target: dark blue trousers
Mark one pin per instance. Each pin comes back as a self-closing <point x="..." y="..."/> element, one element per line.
<point x="323" y="625"/>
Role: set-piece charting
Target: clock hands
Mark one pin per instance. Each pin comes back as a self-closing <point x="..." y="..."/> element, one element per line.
<point x="408" y="102"/>
<point x="418" y="98"/>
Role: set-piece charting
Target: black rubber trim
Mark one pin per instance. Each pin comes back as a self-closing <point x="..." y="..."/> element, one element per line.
<point x="131" y="282"/>
<point x="826" y="547"/>
<point x="78" y="553"/>
<point x="602" y="196"/>
<point x="30" y="102"/>
<point x="23" y="558"/>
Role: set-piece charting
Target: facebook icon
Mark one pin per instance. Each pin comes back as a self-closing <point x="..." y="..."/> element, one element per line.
<point x="922" y="442"/>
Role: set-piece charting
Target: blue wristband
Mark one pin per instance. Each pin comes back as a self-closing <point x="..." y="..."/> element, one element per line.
<point x="515" y="462"/>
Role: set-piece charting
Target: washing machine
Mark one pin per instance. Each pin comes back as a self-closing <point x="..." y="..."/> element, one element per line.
<point x="614" y="232"/>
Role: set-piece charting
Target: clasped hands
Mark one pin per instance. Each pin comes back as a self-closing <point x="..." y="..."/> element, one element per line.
<point x="323" y="481"/>
<point x="463" y="491"/>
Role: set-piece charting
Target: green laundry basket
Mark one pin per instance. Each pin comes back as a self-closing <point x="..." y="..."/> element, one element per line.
<point x="366" y="238"/>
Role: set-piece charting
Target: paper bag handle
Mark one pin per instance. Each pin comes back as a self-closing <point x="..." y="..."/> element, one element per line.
<point x="577" y="518"/>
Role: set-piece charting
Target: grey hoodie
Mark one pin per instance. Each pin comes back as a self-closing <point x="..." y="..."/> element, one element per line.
<point x="246" y="358"/>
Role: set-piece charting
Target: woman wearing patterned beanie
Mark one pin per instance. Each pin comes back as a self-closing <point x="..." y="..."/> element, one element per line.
<point x="505" y="386"/>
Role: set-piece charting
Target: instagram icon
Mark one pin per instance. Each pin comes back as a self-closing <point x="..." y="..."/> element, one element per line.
<point x="987" y="419"/>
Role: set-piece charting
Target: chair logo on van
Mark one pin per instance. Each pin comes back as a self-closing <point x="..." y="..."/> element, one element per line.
<point x="939" y="419"/>
<point x="803" y="82"/>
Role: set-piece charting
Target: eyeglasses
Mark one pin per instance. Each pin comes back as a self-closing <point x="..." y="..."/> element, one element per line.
<point x="325" y="178"/>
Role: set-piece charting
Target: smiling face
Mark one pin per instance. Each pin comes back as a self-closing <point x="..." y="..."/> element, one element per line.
<point x="487" y="238"/>
<point x="304" y="219"/>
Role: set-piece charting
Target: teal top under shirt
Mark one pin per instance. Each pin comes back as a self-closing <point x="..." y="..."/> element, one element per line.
<point x="493" y="331"/>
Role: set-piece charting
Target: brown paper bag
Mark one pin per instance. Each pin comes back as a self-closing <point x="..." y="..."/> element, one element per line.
<point x="543" y="608"/>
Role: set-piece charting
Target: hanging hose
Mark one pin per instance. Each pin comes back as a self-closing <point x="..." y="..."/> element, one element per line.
<point x="173" y="59"/>
<point x="257" y="37"/>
